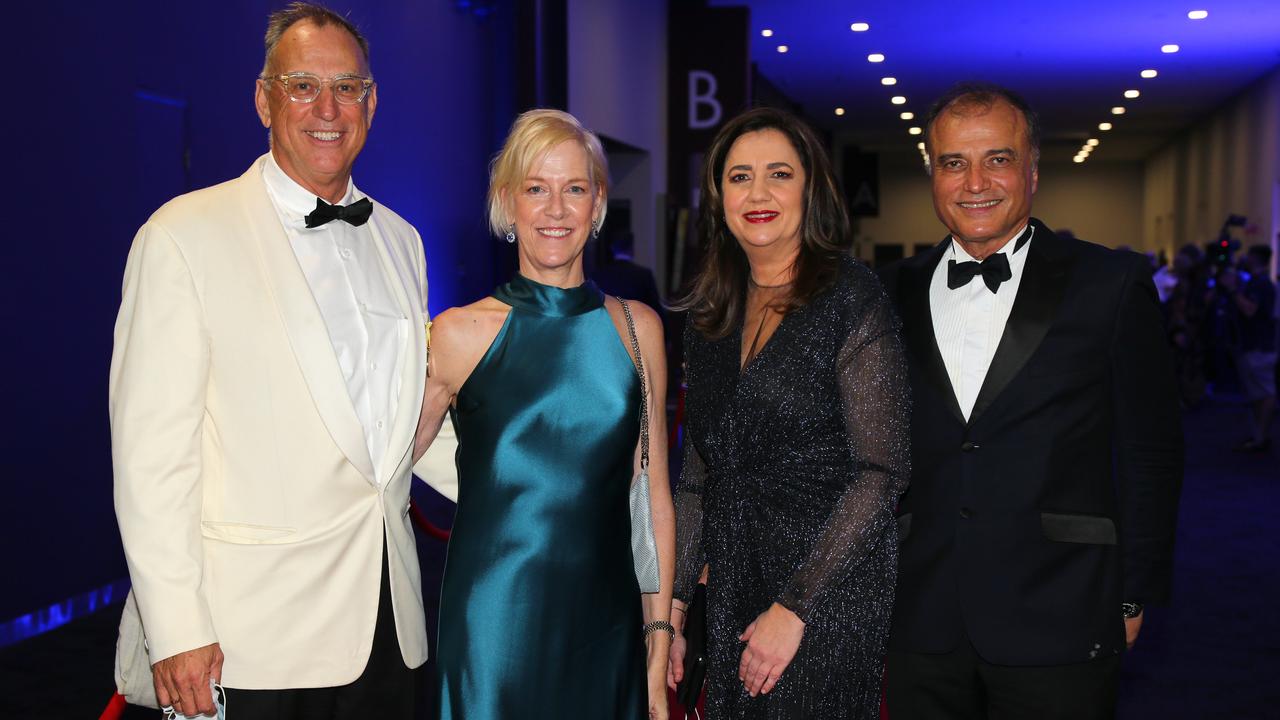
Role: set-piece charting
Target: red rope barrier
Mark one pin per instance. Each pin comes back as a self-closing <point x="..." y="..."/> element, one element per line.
<point x="114" y="709"/>
<point x="426" y="525"/>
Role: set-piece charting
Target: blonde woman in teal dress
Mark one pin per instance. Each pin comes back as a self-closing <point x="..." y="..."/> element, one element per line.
<point x="540" y="612"/>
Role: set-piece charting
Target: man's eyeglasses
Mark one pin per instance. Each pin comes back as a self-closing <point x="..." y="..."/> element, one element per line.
<point x="305" y="87"/>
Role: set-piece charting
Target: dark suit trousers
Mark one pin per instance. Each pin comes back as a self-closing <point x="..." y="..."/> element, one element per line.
<point x="384" y="690"/>
<point x="960" y="685"/>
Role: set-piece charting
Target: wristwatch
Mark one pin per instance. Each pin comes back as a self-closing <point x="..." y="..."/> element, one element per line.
<point x="1131" y="610"/>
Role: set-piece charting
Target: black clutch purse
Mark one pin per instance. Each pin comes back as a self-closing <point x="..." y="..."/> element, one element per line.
<point x="689" y="689"/>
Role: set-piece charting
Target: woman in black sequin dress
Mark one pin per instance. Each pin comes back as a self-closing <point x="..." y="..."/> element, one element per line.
<point x="796" y="449"/>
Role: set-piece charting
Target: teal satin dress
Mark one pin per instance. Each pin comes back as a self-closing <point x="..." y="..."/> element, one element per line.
<point x="540" y="611"/>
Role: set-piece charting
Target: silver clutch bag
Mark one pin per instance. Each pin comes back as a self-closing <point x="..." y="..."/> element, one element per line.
<point x="133" y="666"/>
<point x="644" y="548"/>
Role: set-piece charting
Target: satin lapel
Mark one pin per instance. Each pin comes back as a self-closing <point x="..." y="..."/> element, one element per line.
<point x="917" y="324"/>
<point x="1044" y="280"/>
<point x="401" y="273"/>
<point x="305" y="326"/>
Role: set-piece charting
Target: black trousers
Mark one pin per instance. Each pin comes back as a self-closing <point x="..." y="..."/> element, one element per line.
<point x="961" y="685"/>
<point x="384" y="690"/>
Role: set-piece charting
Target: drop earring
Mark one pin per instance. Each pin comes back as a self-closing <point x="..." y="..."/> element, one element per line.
<point x="595" y="230"/>
<point x="511" y="234"/>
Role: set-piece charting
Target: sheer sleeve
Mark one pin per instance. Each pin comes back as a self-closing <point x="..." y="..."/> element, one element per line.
<point x="875" y="402"/>
<point x="690" y="557"/>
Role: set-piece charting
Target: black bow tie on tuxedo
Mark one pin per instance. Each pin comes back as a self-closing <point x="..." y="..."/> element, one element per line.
<point x="357" y="213"/>
<point x="994" y="270"/>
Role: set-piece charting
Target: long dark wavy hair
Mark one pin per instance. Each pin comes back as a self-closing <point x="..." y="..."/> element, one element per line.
<point x="717" y="296"/>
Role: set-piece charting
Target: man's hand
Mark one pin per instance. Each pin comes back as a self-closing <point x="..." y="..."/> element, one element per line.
<point x="1131" y="627"/>
<point x="182" y="681"/>
<point x="772" y="641"/>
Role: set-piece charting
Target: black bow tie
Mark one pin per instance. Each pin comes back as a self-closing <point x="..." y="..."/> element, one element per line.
<point x="357" y="213"/>
<point x="994" y="270"/>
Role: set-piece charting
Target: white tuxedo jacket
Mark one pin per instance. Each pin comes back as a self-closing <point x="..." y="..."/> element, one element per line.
<point x="250" y="510"/>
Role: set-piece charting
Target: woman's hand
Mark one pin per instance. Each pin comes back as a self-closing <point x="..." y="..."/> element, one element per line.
<point x="1132" y="626"/>
<point x="675" y="658"/>
<point x="659" y="645"/>
<point x="772" y="641"/>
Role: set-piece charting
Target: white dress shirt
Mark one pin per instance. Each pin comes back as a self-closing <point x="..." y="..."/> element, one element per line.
<point x="350" y="286"/>
<point x="969" y="321"/>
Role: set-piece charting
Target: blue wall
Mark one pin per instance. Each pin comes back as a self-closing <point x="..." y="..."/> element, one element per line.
<point x="116" y="93"/>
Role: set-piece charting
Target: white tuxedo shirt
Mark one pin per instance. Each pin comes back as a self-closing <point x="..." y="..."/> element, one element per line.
<point x="969" y="321"/>
<point x="251" y="510"/>
<point x="366" y="327"/>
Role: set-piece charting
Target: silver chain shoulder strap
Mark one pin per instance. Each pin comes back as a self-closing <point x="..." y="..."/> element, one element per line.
<point x="644" y="392"/>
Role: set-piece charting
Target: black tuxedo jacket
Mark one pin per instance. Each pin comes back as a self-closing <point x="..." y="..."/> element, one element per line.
<point x="1026" y="527"/>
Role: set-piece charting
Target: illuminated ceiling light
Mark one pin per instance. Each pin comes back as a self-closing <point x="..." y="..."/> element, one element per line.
<point x="914" y="130"/>
<point x="1104" y="126"/>
<point x="1091" y="142"/>
<point x="888" y="81"/>
<point x="907" y="116"/>
<point x="860" y="27"/>
<point x="897" y="99"/>
<point x="1117" y="110"/>
<point x="1148" y="74"/>
<point x="875" y="57"/>
<point x="1078" y="159"/>
<point x="920" y="145"/>
<point x="839" y="111"/>
<point x="783" y="48"/>
<point x="1131" y="94"/>
<point x="766" y="33"/>
<point x="1198" y="14"/>
<point x="1170" y="48"/>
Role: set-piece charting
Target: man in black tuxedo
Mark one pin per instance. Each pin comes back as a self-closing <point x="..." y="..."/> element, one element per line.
<point x="1046" y="442"/>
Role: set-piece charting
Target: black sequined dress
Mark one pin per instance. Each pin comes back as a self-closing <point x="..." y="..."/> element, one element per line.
<point x="792" y="468"/>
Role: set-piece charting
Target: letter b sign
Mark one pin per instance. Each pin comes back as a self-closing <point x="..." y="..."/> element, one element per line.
<point x="704" y="108"/>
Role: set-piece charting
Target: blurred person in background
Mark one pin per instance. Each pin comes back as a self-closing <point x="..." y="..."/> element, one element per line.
<point x="622" y="276"/>
<point x="1184" y="312"/>
<point x="1251" y="298"/>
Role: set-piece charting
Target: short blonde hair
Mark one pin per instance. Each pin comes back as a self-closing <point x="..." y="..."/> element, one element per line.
<point x="534" y="134"/>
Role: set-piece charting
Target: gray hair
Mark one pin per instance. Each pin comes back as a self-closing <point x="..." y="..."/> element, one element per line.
<point x="295" y="12"/>
<point x="985" y="96"/>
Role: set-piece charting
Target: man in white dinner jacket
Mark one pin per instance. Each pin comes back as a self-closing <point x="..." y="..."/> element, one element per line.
<point x="266" y="383"/>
